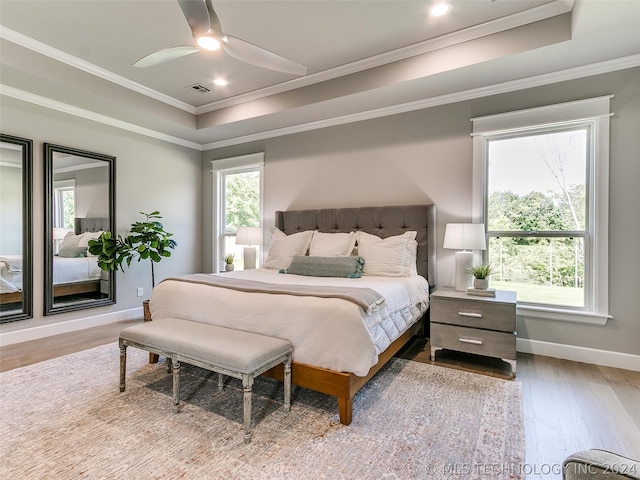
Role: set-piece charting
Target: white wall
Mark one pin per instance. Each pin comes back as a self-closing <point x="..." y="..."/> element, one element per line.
<point x="150" y="175"/>
<point x="426" y="156"/>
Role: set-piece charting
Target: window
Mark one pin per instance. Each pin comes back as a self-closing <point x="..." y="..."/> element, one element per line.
<point x="237" y="202"/>
<point x="541" y="180"/>
<point x="64" y="203"/>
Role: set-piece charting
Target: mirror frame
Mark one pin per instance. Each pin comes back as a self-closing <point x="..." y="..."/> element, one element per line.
<point x="49" y="149"/>
<point x="27" y="229"/>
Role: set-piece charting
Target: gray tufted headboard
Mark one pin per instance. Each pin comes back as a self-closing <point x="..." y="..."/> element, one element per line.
<point x="381" y="221"/>
<point x="91" y="225"/>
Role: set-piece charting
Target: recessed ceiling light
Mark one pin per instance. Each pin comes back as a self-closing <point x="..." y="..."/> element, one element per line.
<point x="220" y="82"/>
<point x="439" y="9"/>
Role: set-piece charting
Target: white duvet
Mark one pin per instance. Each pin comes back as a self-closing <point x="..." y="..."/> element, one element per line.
<point x="74" y="270"/>
<point x="65" y="270"/>
<point x="331" y="333"/>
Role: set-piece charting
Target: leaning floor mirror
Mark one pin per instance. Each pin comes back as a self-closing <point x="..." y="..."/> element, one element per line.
<point x="80" y="205"/>
<point x="16" y="270"/>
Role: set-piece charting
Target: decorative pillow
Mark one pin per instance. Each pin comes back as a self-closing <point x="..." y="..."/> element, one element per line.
<point x="84" y="241"/>
<point x="345" y="267"/>
<point x="71" y="240"/>
<point x="284" y="247"/>
<point x="70" y="251"/>
<point x="390" y="257"/>
<point x="332" y="244"/>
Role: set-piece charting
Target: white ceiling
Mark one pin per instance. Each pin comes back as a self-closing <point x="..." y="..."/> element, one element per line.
<point x="365" y="57"/>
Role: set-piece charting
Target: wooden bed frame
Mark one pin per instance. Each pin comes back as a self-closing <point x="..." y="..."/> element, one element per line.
<point x="383" y="222"/>
<point x="58" y="291"/>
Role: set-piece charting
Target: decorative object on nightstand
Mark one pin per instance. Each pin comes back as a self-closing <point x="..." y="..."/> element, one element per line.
<point x="464" y="237"/>
<point x="249" y="236"/>
<point x="481" y="274"/>
<point x="479" y="325"/>
<point x="228" y="262"/>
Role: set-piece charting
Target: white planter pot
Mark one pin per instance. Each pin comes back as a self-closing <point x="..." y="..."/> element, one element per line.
<point x="480" y="283"/>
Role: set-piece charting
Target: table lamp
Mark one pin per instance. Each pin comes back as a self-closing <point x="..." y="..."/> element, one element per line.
<point x="464" y="237"/>
<point x="249" y="236"/>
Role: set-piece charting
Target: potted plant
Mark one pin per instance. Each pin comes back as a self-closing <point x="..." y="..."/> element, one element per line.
<point x="481" y="275"/>
<point x="146" y="240"/>
<point x="228" y="262"/>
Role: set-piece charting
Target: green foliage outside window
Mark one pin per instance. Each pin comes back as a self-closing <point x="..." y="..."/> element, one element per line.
<point x="242" y="200"/>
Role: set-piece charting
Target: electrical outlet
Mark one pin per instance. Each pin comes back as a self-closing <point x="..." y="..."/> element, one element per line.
<point x="140" y="291"/>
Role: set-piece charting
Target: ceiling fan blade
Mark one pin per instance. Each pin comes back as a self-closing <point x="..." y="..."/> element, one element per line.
<point x="250" y="53"/>
<point x="197" y="15"/>
<point x="165" y="55"/>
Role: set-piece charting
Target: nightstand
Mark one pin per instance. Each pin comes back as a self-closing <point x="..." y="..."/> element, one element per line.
<point x="474" y="324"/>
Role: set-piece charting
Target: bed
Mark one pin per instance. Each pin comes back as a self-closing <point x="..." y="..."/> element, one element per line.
<point x="339" y="343"/>
<point x="74" y="273"/>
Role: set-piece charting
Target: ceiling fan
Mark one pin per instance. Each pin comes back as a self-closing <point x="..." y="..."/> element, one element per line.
<point x="208" y="35"/>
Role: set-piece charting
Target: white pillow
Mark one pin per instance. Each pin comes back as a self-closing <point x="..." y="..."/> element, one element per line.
<point x="390" y="257"/>
<point x="332" y="244"/>
<point x="84" y="241"/>
<point x="284" y="247"/>
<point x="71" y="240"/>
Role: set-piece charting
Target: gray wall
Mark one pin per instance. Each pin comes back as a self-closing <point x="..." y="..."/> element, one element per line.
<point x="426" y="156"/>
<point x="150" y="175"/>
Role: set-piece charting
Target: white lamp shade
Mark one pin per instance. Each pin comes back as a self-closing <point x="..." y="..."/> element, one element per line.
<point x="249" y="236"/>
<point x="465" y="236"/>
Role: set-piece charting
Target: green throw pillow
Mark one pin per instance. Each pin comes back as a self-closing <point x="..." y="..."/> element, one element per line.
<point x="72" y="252"/>
<point x="345" y="267"/>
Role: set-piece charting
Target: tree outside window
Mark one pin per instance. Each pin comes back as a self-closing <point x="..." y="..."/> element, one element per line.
<point x="536" y="214"/>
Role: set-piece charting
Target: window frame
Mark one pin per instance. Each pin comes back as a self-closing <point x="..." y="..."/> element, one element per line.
<point x="220" y="169"/>
<point x="595" y="113"/>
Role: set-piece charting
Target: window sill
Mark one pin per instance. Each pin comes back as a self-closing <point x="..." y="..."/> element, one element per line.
<point x="563" y="315"/>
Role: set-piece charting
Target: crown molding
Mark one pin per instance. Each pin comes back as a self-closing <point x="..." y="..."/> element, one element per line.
<point x="45" y="102"/>
<point x="505" y="87"/>
<point x="530" y="82"/>
<point x="75" y="62"/>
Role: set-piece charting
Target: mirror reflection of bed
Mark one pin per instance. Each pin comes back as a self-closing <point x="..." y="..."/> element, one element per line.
<point x="76" y="275"/>
<point x="15" y="232"/>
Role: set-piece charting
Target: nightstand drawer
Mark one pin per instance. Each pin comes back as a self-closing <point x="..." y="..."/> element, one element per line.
<point x="474" y="313"/>
<point x="472" y="340"/>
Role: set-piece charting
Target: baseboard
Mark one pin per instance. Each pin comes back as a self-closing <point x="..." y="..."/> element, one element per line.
<point x="605" y="358"/>
<point x="42" y="331"/>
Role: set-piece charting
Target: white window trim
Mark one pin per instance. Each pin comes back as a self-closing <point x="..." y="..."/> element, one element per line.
<point x="218" y="168"/>
<point x="596" y="110"/>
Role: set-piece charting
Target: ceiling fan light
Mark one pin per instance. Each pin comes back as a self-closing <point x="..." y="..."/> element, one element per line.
<point x="208" y="42"/>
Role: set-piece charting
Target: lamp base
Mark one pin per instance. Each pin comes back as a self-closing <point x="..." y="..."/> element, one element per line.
<point x="464" y="259"/>
<point x="249" y="258"/>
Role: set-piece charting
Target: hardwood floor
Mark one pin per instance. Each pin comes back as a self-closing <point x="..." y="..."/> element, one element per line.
<point x="567" y="406"/>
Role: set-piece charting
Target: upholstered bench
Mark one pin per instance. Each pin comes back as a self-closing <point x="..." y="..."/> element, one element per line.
<point x="235" y="353"/>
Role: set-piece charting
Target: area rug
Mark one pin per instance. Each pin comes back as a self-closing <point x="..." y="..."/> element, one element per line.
<point x="66" y="419"/>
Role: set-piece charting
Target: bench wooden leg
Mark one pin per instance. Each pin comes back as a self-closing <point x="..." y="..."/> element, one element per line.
<point x="287" y="384"/>
<point x="153" y="357"/>
<point x="176" y="384"/>
<point x="123" y="365"/>
<point x="247" y="384"/>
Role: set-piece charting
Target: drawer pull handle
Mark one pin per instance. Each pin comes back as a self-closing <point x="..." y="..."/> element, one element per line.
<point x="474" y="341"/>
<point x="470" y="314"/>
